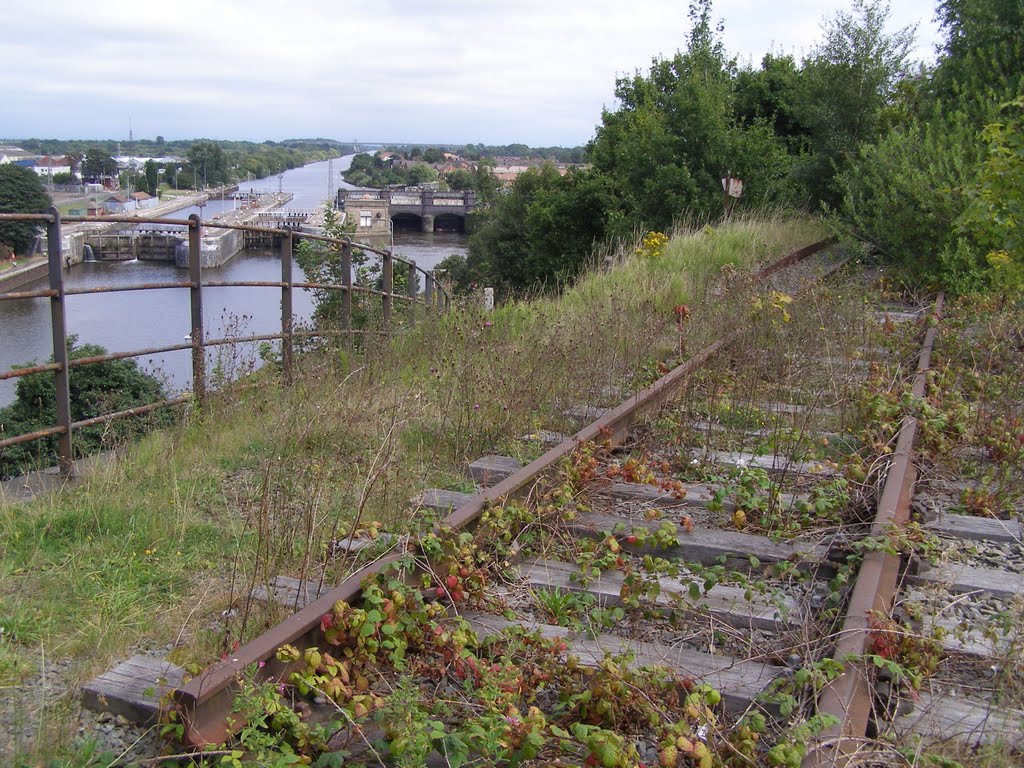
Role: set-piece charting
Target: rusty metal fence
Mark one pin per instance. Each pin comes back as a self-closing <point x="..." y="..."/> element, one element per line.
<point x="434" y="297"/>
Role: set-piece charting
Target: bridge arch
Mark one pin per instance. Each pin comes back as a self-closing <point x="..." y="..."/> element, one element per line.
<point x="449" y="222"/>
<point x="407" y="222"/>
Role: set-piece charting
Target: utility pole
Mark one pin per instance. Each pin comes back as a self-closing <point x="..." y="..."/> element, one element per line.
<point x="330" y="182"/>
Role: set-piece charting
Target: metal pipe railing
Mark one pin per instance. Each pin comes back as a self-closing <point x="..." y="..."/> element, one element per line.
<point x="194" y="226"/>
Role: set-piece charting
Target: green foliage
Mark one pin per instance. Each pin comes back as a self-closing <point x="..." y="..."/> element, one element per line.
<point x="21" y="191"/>
<point x="459" y="179"/>
<point x="97" y="165"/>
<point x="151" y="169"/>
<point x="207" y="161"/>
<point x="95" y="389"/>
<point x="847" y="81"/>
<point x="667" y="145"/>
<point x="994" y="217"/>
<point x="905" y="193"/>
<point x="540" y="235"/>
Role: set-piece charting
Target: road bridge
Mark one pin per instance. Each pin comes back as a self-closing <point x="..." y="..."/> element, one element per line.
<point x="405" y="209"/>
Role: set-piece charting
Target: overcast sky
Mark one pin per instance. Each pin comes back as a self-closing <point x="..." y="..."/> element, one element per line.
<point x="433" y="71"/>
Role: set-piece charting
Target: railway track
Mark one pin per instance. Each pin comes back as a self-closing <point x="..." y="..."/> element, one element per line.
<point x="714" y="572"/>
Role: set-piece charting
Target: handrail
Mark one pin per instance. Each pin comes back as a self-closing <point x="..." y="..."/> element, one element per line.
<point x="44" y="218"/>
<point x="434" y="296"/>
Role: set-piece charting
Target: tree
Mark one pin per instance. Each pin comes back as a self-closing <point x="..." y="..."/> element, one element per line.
<point x="848" y="80"/>
<point x="421" y="173"/>
<point x="95" y="389"/>
<point x="208" y="163"/>
<point x="21" y="191"/>
<point x="75" y="159"/>
<point x="539" y="236"/>
<point x="152" y="171"/>
<point x="772" y="94"/>
<point x="676" y="134"/>
<point x="994" y="216"/>
<point x="459" y="178"/>
<point x="97" y="165"/>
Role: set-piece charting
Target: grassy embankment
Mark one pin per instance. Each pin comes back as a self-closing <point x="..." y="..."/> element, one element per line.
<point x="152" y="548"/>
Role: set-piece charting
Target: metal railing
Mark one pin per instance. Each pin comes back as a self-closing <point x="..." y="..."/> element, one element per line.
<point x="434" y="297"/>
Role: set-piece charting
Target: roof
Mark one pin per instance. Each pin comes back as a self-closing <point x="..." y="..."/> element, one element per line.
<point x="117" y="199"/>
<point x="140" y="195"/>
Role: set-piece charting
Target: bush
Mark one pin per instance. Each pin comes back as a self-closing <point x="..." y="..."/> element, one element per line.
<point x="21" y="191"/>
<point x="904" y="194"/>
<point x="95" y="389"/>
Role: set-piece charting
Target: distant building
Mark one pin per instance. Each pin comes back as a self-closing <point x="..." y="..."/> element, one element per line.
<point x="10" y="154"/>
<point x="118" y="204"/>
<point x="369" y="212"/>
<point x="143" y="199"/>
<point x="52" y="166"/>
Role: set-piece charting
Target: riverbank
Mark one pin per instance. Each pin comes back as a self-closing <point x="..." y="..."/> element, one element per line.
<point x="28" y="271"/>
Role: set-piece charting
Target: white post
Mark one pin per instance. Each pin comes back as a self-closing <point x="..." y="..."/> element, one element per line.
<point x="488" y="299"/>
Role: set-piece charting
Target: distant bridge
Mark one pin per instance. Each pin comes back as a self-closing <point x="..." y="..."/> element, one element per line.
<point x="416" y="210"/>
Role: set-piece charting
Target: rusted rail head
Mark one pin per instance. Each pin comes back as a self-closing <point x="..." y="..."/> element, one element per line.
<point x="848" y="698"/>
<point x="204" y="703"/>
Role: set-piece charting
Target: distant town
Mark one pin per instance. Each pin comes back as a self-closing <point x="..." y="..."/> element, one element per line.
<point x="87" y="181"/>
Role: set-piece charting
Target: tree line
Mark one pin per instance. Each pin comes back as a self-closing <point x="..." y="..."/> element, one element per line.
<point x="923" y="163"/>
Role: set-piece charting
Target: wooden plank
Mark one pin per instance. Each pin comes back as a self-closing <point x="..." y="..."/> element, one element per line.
<point x="440" y="500"/>
<point x="696" y="495"/>
<point x="725" y="603"/>
<point x="545" y="437"/>
<point x="959" y="579"/>
<point x="289" y="592"/>
<point x="778" y="431"/>
<point x="794" y="409"/>
<point x="951" y="719"/>
<point x="738" y="681"/>
<point x="134" y="688"/>
<point x="896" y="317"/>
<point x="976" y="528"/>
<point x="773" y="465"/>
<point x="707" y="545"/>
<point x="491" y="470"/>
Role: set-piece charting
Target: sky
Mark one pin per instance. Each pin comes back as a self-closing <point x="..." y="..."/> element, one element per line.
<point x="536" y="72"/>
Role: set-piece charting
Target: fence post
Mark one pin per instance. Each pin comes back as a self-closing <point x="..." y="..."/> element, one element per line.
<point x="346" y="280"/>
<point x="411" y="292"/>
<point x="195" y="270"/>
<point x="428" y="290"/>
<point x="58" y="324"/>
<point x="388" y="287"/>
<point x="287" y="340"/>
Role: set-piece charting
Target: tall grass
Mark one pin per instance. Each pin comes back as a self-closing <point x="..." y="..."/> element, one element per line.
<point x="162" y="545"/>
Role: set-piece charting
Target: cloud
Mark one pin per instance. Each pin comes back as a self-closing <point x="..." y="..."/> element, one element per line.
<point x="485" y="70"/>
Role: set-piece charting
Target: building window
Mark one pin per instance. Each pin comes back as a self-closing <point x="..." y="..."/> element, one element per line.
<point x="365" y="219"/>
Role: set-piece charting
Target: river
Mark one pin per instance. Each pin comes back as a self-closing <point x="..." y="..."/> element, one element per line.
<point x="129" y="320"/>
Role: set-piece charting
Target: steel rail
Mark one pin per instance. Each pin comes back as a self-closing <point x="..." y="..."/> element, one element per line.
<point x="30" y="436"/>
<point x="848" y="698"/>
<point x="45" y="293"/>
<point x="140" y="410"/>
<point x="15" y="373"/>
<point x="204" y="703"/>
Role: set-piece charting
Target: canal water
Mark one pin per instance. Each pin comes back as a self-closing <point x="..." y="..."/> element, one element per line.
<point x="128" y="320"/>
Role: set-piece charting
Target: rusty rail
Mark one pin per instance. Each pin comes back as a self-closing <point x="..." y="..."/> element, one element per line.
<point x="848" y="697"/>
<point x="194" y="227"/>
<point x="204" y="703"/>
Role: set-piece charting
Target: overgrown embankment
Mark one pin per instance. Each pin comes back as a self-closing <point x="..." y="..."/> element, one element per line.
<point x="159" y="547"/>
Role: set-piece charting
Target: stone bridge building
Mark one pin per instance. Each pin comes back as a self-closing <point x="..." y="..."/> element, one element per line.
<point x="377" y="212"/>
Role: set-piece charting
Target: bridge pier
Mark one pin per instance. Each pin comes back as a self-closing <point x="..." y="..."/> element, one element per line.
<point x="427" y="223"/>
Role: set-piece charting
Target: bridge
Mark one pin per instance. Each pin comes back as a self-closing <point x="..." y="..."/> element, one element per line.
<point x="406" y="210"/>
